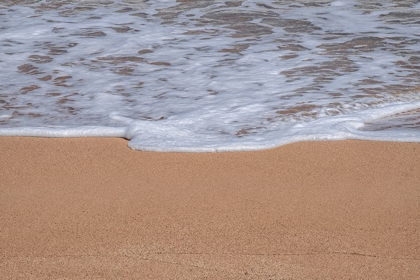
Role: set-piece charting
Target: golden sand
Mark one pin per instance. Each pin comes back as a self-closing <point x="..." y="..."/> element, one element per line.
<point x="94" y="209"/>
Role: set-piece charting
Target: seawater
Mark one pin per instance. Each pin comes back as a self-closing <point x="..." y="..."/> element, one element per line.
<point x="210" y="75"/>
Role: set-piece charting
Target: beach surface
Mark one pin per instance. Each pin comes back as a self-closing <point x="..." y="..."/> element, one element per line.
<point x="91" y="208"/>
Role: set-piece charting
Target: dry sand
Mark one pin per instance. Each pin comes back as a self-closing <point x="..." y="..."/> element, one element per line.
<point x="93" y="209"/>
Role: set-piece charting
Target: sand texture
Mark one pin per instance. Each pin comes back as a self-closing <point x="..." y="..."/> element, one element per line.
<point x="94" y="209"/>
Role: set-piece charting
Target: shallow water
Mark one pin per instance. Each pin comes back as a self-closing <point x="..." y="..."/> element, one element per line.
<point x="209" y="75"/>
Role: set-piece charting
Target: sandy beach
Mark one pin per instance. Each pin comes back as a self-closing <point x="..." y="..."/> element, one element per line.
<point x="91" y="208"/>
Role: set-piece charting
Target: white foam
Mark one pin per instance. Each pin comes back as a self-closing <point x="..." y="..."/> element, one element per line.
<point x="179" y="77"/>
<point x="145" y="135"/>
<point x="83" y="131"/>
<point x="173" y="136"/>
<point x="344" y="3"/>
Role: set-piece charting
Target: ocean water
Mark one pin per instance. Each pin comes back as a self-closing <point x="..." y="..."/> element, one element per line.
<point x="205" y="76"/>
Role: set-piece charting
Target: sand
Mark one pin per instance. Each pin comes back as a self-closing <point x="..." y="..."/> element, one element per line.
<point x="94" y="209"/>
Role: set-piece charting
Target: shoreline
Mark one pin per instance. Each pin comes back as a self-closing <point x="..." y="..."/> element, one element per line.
<point x="91" y="207"/>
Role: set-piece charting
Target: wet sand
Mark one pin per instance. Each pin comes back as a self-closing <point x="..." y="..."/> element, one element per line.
<point x="94" y="209"/>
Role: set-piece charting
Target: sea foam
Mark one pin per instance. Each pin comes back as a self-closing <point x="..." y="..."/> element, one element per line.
<point x="205" y="76"/>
